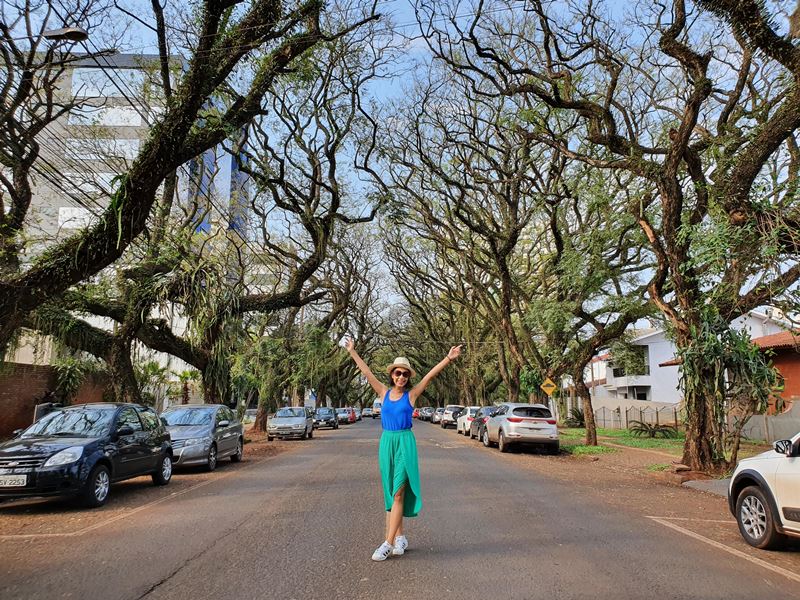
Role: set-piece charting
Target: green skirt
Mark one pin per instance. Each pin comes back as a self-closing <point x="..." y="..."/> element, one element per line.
<point x="397" y="457"/>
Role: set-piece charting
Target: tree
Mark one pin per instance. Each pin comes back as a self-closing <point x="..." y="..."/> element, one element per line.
<point x="273" y="35"/>
<point x="702" y="106"/>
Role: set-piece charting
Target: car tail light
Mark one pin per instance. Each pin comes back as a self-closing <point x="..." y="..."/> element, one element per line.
<point x="515" y="419"/>
<point x="485" y="419"/>
<point x="470" y="418"/>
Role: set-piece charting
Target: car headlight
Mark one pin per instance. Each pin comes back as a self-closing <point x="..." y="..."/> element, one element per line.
<point x="298" y="426"/>
<point x="65" y="457"/>
<point x="194" y="442"/>
<point x="271" y="425"/>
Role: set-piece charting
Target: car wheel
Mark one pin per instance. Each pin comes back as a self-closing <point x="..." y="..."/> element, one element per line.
<point x="237" y="457"/>
<point x="270" y="438"/>
<point x="211" y="458"/>
<point x="554" y="449"/>
<point x="163" y="473"/>
<point x="502" y="442"/>
<point x="337" y="425"/>
<point x="756" y="521"/>
<point x="311" y="434"/>
<point x="486" y="441"/>
<point x="305" y="434"/>
<point x="95" y="491"/>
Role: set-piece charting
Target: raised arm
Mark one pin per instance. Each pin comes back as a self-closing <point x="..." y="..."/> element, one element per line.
<point x="416" y="392"/>
<point x="379" y="388"/>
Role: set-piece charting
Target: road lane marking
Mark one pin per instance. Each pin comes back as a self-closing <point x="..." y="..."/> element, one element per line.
<point x="728" y="521"/>
<point x="125" y="515"/>
<point x="757" y="561"/>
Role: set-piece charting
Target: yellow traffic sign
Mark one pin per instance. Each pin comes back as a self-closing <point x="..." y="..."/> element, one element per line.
<point x="548" y="387"/>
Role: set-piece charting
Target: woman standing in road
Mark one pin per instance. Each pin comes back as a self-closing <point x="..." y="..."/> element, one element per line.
<point x="397" y="453"/>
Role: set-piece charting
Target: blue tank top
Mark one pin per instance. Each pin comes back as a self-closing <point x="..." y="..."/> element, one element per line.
<point x="396" y="414"/>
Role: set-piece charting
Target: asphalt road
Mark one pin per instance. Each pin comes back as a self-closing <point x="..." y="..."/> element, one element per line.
<point x="304" y="524"/>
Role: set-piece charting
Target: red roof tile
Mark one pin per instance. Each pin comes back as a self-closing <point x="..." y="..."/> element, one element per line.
<point x="779" y="341"/>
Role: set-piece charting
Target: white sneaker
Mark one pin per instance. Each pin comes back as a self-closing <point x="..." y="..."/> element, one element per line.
<point x="383" y="551"/>
<point x="400" y="545"/>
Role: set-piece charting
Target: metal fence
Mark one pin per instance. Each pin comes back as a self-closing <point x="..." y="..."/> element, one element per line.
<point x="620" y="418"/>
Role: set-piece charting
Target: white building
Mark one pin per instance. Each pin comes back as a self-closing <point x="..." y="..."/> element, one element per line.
<point x="612" y="386"/>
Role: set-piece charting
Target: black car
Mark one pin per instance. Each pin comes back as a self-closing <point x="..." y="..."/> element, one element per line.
<point x="479" y="422"/>
<point x="80" y="450"/>
<point x="325" y="417"/>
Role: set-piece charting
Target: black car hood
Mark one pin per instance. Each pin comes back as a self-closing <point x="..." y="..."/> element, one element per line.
<point x="41" y="445"/>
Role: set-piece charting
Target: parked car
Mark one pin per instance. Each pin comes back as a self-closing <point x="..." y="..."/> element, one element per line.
<point x="358" y="413"/>
<point x="436" y="416"/>
<point x="415" y="414"/>
<point x="203" y="434"/>
<point x="376" y="409"/>
<point x="425" y="413"/>
<point x="291" y="421"/>
<point x="249" y="415"/>
<point x="764" y="495"/>
<point x="478" y="424"/>
<point x="367" y="412"/>
<point x="346" y="414"/>
<point x="449" y="415"/>
<point x="81" y="450"/>
<point x="465" y="419"/>
<point x="325" y="417"/>
<point x="521" y="423"/>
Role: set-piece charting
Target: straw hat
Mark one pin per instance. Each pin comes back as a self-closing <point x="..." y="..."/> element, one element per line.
<point x="402" y="362"/>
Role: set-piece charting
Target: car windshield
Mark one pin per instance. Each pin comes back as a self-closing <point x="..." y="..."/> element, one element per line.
<point x="532" y="411"/>
<point x="78" y="422"/>
<point x="323" y="412"/>
<point x="187" y="417"/>
<point x="290" y="412"/>
<point x="473" y="411"/>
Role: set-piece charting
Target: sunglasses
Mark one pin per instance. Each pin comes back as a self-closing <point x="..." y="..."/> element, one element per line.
<point x="405" y="374"/>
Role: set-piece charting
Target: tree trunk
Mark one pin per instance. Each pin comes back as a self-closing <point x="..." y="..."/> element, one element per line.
<point x="260" y="423"/>
<point x="588" y="412"/>
<point x="123" y="378"/>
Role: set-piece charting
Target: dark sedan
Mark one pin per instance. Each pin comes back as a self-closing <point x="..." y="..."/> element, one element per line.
<point x="81" y="450"/>
<point x="478" y="424"/>
<point x="325" y="417"/>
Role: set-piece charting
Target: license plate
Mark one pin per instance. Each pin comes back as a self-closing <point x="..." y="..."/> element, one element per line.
<point x="13" y="480"/>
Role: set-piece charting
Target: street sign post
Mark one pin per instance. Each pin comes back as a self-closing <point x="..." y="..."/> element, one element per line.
<point x="548" y="386"/>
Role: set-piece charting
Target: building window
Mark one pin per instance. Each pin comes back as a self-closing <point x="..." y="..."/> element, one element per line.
<point x="107" y="83"/>
<point x="101" y="148"/>
<point x="73" y="217"/>
<point x="114" y="116"/>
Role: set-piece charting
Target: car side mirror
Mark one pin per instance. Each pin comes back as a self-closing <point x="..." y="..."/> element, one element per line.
<point x="124" y="430"/>
<point x="17" y="432"/>
<point x="223" y="423"/>
<point x="783" y="447"/>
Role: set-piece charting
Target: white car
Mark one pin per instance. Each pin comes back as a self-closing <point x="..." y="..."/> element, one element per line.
<point x="465" y="420"/>
<point x="521" y="423"/>
<point x="764" y="495"/>
<point x="448" y="417"/>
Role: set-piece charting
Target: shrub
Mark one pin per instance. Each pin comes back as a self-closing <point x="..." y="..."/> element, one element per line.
<point x="652" y="430"/>
<point x="576" y="418"/>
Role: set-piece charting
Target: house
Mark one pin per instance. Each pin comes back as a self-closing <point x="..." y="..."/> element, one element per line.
<point x="659" y="381"/>
<point x="784" y="348"/>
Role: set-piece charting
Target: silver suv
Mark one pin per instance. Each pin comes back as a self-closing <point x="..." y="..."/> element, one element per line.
<point x="449" y="415"/>
<point x="521" y="423"/>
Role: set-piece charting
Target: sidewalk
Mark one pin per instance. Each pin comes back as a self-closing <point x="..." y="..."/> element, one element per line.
<point x="714" y="486"/>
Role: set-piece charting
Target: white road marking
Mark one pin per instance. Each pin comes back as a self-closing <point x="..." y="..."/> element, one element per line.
<point x="728" y="521"/>
<point x="757" y="561"/>
<point x="125" y="515"/>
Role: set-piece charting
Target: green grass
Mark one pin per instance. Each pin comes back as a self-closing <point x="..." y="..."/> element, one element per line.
<point x="659" y="467"/>
<point x="580" y="449"/>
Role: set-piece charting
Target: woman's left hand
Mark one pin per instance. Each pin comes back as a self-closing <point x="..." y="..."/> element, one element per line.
<point x="455" y="352"/>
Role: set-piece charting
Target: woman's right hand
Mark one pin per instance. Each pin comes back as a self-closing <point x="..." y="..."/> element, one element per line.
<point x="350" y="345"/>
